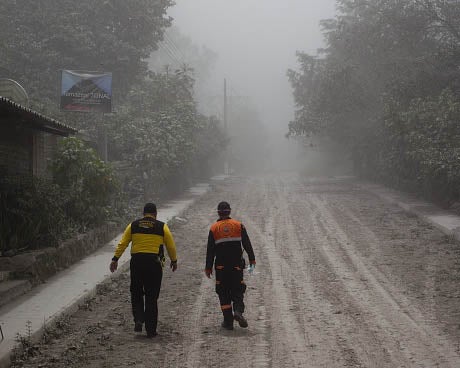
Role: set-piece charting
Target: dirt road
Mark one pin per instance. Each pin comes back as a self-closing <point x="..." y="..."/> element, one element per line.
<point x="343" y="280"/>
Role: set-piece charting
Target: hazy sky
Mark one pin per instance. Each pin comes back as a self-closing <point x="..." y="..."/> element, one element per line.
<point x="256" y="41"/>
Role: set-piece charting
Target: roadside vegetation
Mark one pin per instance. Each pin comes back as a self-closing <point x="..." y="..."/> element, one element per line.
<point x="385" y="89"/>
<point x="158" y="141"/>
<point x="81" y="193"/>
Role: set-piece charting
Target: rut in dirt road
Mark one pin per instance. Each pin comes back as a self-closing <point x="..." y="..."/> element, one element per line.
<point x="343" y="279"/>
<point x="329" y="305"/>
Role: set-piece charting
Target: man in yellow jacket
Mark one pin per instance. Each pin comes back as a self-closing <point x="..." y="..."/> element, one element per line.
<point x="148" y="235"/>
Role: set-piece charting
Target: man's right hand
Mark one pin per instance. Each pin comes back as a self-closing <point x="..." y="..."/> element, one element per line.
<point x="113" y="266"/>
<point x="208" y="272"/>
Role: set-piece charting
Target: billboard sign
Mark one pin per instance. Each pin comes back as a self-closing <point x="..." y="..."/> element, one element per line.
<point x="86" y="91"/>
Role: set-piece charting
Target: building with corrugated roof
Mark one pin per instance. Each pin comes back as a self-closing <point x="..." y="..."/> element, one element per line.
<point x="28" y="139"/>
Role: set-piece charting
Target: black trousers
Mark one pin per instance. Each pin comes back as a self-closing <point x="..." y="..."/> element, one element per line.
<point x="146" y="276"/>
<point x="230" y="288"/>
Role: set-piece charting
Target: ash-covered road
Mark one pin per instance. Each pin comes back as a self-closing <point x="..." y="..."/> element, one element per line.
<point x="343" y="280"/>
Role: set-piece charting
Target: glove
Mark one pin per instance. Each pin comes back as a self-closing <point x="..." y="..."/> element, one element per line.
<point x="208" y="272"/>
<point x="251" y="269"/>
<point x="173" y="265"/>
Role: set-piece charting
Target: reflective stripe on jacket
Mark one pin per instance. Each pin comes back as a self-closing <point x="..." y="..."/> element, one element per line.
<point x="226" y="230"/>
<point x="226" y="236"/>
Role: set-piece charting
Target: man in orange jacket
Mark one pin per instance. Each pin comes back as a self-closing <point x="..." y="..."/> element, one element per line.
<point x="225" y="239"/>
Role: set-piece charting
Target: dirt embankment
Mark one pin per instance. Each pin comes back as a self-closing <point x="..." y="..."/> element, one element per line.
<point x="343" y="280"/>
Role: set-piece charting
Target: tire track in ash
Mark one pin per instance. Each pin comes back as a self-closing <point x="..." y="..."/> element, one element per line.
<point x="359" y="344"/>
<point x="191" y="315"/>
<point x="371" y="240"/>
<point x="262" y="356"/>
<point x="333" y="327"/>
<point x="188" y="355"/>
<point x="205" y="343"/>
<point x="406" y="333"/>
<point x="255" y="348"/>
<point x="323" y="316"/>
<point x="293" y="344"/>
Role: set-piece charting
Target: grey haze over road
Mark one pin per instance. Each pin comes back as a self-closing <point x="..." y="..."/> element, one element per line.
<point x="256" y="41"/>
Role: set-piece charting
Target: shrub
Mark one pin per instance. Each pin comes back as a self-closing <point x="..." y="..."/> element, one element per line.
<point x="31" y="214"/>
<point x="88" y="183"/>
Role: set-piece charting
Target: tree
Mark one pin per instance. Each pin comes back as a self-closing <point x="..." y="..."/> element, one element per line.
<point x="156" y="127"/>
<point x="161" y="134"/>
<point x="176" y="50"/>
<point x="383" y="59"/>
<point x="39" y="38"/>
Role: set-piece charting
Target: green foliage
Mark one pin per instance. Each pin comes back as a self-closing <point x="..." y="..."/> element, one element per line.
<point x="88" y="183"/>
<point x="161" y="134"/>
<point x="39" y="38"/>
<point x="385" y="87"/>
<point x="201" y="58"/>
<point x="426" y="139"/>
<point x="37" y="213"/>
<point x="31" y="214"/>
<point x="156" y="129"/>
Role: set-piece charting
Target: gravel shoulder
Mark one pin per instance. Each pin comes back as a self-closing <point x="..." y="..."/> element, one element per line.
<point x="343" y="280"/>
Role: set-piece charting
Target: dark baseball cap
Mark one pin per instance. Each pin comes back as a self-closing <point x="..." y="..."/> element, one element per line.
<point x="223" y="206"/>
<point x="150" y="208"/>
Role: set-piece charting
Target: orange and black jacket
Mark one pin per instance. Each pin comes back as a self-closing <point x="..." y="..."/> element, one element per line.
<point x="225" y="239"/>
<point x="147" y="235"/>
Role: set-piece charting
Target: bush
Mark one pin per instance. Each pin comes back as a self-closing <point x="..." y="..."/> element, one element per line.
<point x="427" y="138"/>
<point x="31" y="214"/>
<point x="88" y="184"/>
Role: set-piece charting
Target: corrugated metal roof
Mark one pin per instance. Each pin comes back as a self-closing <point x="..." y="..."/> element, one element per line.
<point x="39" y="121"/>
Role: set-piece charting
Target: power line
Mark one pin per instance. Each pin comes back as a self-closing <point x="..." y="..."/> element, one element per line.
<point x="175" y="47"/>
<point x="171" y="49"/>
<point x="169" y="53"/>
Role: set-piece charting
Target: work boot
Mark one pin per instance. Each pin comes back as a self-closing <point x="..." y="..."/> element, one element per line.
<point x="151" y="334"/>
<point x="238" y="316"/>
<point x="227" y="325"/>
<point x="138" y="327"/>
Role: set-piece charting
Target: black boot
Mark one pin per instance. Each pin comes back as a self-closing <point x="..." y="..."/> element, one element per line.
<point x="240" y="319"/>
<point x="138" y="327"/>
<point x="227" y="325"/>
<point x="151" y="334"/>
<point x="228" y="319"/>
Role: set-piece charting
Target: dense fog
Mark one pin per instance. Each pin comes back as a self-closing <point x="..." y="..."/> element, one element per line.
<point x="368" y="88"/>
<point x="256" y="42"/>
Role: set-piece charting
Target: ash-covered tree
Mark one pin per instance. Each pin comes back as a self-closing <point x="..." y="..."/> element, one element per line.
<point x="39" y="38"/>
<point x="162" y="136"/>
<point x="383" y="60"/>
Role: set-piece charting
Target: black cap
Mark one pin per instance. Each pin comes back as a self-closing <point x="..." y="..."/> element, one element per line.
<point x="223" y="209"/>
<point x="150" y="208"/>
<point x="222" y="206"/>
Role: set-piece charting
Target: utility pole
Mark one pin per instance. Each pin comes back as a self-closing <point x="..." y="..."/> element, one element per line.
<point x="226" y="163"/>
<point x="225" y="106"/>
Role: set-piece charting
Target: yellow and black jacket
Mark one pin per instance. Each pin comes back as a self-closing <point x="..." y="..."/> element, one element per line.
<point x="225" y="239"/>
<point x="147" y="235"/>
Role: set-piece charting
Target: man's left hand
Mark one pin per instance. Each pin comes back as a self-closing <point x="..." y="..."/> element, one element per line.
<point x="173" y="265"/>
